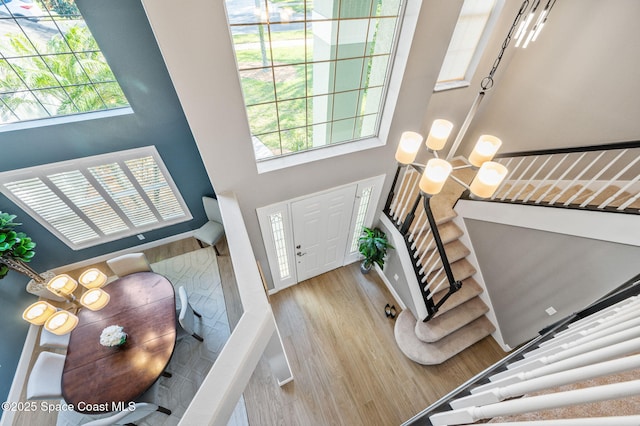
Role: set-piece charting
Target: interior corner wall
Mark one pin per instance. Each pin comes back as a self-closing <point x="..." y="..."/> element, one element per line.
<point x="527" y="271"/>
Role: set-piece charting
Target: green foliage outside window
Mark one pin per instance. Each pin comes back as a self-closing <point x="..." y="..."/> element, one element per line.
<point x="64" y="75"/>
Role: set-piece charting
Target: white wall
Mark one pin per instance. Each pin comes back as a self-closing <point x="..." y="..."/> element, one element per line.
<point x="533" y="258"/>
<point x="199" y="56"/>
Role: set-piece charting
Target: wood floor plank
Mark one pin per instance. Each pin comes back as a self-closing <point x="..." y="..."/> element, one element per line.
<point x="347" y="367"/>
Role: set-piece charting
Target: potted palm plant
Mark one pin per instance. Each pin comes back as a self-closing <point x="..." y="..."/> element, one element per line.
<point x="373" y="245"/>
<point x="16" y="249"/>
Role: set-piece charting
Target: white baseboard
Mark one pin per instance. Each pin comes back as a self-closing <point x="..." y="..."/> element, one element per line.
<point x="20" y="377"/>
<point x="104" y="257"/>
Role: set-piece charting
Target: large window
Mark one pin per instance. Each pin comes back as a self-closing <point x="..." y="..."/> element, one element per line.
<point x="467" y="43"/>
<point x="96" y="199"/>
<point x="313" y="73"/>
<point x="50" y="64"/>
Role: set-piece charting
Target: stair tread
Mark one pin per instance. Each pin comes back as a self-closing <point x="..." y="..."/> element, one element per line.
<point x="517" y="191"/>
<point x="440" y="351"/>
<point x="470" y="289"/>
<point x="553" y="191"/>
<point x="566" y="195"/>
<point x="601" y="197"/>
<point x="461" y="269"/>
<point x="452" y="320"/>
<point x="455" y="250"/>
<point x="449" y="231"/>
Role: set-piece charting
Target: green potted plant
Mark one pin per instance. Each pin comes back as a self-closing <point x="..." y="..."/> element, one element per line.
<point x="16" y="249"/>
<point x="373" y="245"/>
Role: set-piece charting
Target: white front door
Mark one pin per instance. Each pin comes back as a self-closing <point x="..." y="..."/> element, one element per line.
<point x="321" y="231"/>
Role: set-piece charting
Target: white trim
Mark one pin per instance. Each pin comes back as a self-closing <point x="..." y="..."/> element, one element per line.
<point x="20" y="377"/>
<point x="272" y="164"/>
<point x="64" y="119"/>
<point x="134" y="249"/>
<point x="221" y="389"/>
<point x="613" y="227"/>
<point x="407" y="267"/>
<point x="285" y="206"/>
<point x="93" y="232"/>
<point x="484" y="296"/>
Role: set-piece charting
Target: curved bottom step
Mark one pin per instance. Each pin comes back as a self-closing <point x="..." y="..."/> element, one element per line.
<point x="445" y="348"/>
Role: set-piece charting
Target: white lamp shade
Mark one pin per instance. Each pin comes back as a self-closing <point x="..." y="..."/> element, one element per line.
<point x="408" y="147"/>
<point x="489" y="177"/>
<point x="38" y="313"/>
<point x="62" y="284"/>
<point x="435" y="175"/>
<point x="438" y="135"/>
<point x="62" y="322"/>
<point x="93" y="278"/>
<point x="95" y="299"/>
<point x="485" y="149"/>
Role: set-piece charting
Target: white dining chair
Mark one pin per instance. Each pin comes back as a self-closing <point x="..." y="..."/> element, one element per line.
<point x="45" y="378"/>
<point x="127" y="416"/>
<point x="53" y="341"/>
<point x="212" y="231"/>
<point x="186" y="317"/>
<point x="128" y="264"/>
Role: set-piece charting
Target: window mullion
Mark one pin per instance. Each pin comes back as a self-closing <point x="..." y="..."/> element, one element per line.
<point x="143" y="194"/>
<point x="73" y="206"/>
<point x="106" y="197"/>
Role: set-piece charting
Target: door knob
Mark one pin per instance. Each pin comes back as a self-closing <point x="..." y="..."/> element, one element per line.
<point x="300" y="253"/>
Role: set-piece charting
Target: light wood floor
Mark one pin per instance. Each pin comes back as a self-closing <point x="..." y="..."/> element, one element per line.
<point x="347" y="368"/>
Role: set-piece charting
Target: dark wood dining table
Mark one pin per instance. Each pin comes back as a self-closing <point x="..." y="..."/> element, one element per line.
<point x="97" y="378"/>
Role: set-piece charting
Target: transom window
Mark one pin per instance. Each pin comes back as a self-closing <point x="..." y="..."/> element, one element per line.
<point x="50" y="64"/>
<point x="93" y="200"/>
<point x="313" y="73"/>
<point x="467" y="43"/>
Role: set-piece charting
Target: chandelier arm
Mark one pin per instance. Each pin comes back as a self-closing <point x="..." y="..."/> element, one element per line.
<point x="461" y="183"/>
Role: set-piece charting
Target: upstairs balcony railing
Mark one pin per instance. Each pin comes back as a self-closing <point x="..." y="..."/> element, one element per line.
<point x="601" y="178"/>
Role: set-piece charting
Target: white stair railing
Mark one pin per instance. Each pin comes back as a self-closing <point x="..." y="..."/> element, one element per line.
<point x="605" y="177"/>
<point x="536" y="403"/>
<point x="549" y="381"/>
<point x="626" y="348"/>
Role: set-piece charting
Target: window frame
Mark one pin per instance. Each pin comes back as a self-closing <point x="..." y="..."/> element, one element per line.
<point x="83" y="165"/>
<point x="389" y="98"/>
<point x="40" y="53"/>
<point x="483" y="41"/>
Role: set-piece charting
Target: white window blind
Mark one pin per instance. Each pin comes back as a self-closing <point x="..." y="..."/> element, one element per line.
<point x="92" y="200"/>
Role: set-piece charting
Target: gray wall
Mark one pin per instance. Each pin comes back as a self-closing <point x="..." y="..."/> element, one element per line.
<point x="575" y="86"/>
<point x="526" y="271"/>
<point x="123" y="32"/>
<point x="393" y="267"/>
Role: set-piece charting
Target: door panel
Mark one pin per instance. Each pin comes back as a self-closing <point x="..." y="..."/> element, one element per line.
<point x="321" y="231"/>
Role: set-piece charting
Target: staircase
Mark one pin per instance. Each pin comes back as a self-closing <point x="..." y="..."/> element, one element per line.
<point x="460" y="321"/>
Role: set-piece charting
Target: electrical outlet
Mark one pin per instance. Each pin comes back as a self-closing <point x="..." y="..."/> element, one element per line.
<point x="550" y="310"/>
<point x="140" y="236"/>
<point x="395" y="277"/>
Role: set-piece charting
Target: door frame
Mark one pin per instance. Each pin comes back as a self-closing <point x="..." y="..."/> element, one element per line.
<point x="278" y="216"/>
